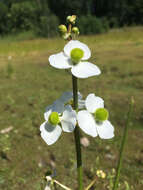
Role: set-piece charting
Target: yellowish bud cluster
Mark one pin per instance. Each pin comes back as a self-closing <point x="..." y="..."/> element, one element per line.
<point x="67" y="33"/>
<point x="101" y="174"/>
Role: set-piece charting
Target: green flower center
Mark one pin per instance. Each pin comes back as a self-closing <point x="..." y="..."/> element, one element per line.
<point x="76" y="55"/>
<point x="54" y="118"/>
<point x="101" y="114"/>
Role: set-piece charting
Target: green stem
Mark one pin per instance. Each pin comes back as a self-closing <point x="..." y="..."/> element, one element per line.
<point x="77" y="135"/>
<point x="124" y="139"/>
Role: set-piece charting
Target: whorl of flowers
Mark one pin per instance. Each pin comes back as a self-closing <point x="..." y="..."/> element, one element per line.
<point x="91" y="116"/>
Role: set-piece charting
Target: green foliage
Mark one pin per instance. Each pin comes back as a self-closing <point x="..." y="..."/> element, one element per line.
<point x="3" y="17"/>
<point x="113" y="22"/>
<point x="124" y="12"/>
<point x="43" y="16"/>
<point x="47" y="26"/>
<point x="21" y="15"/>
<point x="92" y="25"/>
<point x="136" y="12"/>
<point x="63" y="8"/>
<point x="25" y="15"/>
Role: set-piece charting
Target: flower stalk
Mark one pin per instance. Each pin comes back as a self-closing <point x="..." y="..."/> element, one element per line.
<point x="61" y="116"/>
<point x="77" y="136"/>
<point x="91" y="184"/>
<point x="124" y="140"/>
<point x="76" y="131"/>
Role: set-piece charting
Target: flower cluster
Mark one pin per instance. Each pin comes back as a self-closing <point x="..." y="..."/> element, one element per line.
<point x="92" y="118"/>
<point x="57" y="118"/>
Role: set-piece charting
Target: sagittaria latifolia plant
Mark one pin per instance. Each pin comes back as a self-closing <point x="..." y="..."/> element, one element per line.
<point x="70" y="112"/>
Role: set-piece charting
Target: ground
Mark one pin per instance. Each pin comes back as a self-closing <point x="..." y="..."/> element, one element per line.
<point x="28" y="84"/>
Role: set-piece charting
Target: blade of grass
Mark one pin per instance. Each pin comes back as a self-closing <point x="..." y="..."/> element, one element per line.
<point x="124" y="140"/>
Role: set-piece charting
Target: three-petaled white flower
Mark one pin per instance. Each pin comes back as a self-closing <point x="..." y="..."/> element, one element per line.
<point x="94" y="120"/>
<point x="58" y="117"/>
<point x="74" y="56"/>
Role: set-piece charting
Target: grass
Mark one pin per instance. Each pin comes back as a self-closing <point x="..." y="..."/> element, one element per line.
<point x="28" y="84"/>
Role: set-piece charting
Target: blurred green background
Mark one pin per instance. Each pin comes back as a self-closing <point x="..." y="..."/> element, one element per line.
<point x="28" y="84"/>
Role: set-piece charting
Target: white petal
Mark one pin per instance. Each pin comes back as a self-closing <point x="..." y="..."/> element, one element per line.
<point x="93" y="102"/>
<point x="81" y="104"/>
<point x="105" y="130"/>
<point x="67" y="126"/>
<point x="79" y="96"/>
<point x="60" y="61"/>
<point x="49" y="133"/>
<point x="42" y="126"/>
<point x="86" y="123"/>
<point x="68" y="120"/>
<point x="48" y="108"/>
<point x="47" y="187"/>
<point x="85" y="70"/>
<point x="58" y="106"/>
<point x="77" y="44"/>
<point x="47" y="113"/>
<point x="66" y="97"/>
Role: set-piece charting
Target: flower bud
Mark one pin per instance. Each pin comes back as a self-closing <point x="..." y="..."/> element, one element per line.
<point x="62" y="29"/>
<point x="75" y="30"/>
<point x="71" y="19"/>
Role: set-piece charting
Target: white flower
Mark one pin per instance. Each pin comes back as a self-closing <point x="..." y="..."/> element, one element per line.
<point x="56" y="116"/>
<point x="47" y="187"/>
<point x="93" y="121"/>
<point x="74" y="56"/>
<point x="9" y="57"/>
<point x="68" y="96"/>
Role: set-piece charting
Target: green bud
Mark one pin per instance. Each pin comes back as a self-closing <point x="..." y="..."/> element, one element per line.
<point x="54" y="118"/>
<point x="71" y="19"/>
<point x="101" y="114"/>
<point x="62" y="29"/>
<point x="68" y="18"/>
<point x="75" y="30"/>
<point x="76" y="55"/>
